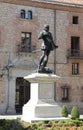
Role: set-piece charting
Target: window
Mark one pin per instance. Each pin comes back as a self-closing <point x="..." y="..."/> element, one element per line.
<point x="75" y="46"/>
<point x="75" y="68"/>
<point x="23" y="14"/>
<point x="75" y="20"/>
<point x="65" y="93"/>
<point x="75" y="42"/>
<point x="26" y="41"/>
<point x="29" y="14"/>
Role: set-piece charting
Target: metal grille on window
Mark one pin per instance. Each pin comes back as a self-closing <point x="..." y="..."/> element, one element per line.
<point x="25" y="42"/>
<point x="65" y="93"/>
<point x="75" y="68"/>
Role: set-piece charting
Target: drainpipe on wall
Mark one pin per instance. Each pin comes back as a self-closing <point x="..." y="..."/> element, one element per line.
<point x="55" y="41"/>
<point x="55" y="52"/>
<point x="7" y="68"/>
<point x="8" y="89"/>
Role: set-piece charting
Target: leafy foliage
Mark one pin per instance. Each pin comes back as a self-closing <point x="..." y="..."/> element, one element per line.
<point x="41" y="125"/>
<point x="74" y="113"/>
<point x="64" y="111"/>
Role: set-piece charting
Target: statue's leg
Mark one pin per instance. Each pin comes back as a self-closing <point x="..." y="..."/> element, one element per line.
<point x="47" y="52"/>
<point x="42" y="58"/>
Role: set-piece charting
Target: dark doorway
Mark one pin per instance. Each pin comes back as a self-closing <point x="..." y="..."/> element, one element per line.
<point x="22" y="94"/>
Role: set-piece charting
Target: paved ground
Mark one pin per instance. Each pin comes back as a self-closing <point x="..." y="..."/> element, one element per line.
<point x="10" y="116"/>
<point x="20" y="116"/>
<point x="29" y="120"/>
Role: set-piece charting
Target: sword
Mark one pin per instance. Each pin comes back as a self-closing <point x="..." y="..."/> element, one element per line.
<point x="38" y="50"/>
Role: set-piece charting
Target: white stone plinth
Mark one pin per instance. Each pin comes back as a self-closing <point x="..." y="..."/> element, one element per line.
<point x="41" y="103"/>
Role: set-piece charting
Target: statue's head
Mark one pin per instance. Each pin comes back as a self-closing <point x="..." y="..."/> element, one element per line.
<point x="46" y="27"/>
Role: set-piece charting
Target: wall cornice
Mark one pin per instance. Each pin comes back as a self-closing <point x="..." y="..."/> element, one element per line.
<point x="54" y="6"/>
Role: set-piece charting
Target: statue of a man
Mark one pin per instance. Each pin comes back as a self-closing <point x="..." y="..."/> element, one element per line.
<point x="47" y="46"/>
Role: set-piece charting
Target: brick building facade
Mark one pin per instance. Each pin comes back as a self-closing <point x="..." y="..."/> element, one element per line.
<point x="20" y="24"/>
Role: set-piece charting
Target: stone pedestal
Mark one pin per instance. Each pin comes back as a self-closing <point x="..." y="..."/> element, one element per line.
<point x="41" y="104"/>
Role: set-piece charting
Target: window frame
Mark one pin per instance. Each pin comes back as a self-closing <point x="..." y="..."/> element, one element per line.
<point x="75" y="45"/>
<point x="75" y="20"/>
<point x="24" y="45"/>
<point x="23" y="14"/>
<point x="65" y="93"/>
<point x="29" y="14"/>
<point x="75" y="42"/>
<point x="75" y="68"/>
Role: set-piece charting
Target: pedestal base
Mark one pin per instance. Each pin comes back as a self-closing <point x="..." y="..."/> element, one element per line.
<point x="10" y="111"/>
<point x="41" y="104"/>
<point x="43" y="111"/>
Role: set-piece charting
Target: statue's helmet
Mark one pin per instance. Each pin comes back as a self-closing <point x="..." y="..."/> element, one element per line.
<point x="46" y="27"/>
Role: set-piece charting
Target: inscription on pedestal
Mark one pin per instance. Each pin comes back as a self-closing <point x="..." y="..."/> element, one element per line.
<point x="46" y="91"/>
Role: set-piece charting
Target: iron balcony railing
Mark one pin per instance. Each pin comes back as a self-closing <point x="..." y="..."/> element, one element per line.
<point x="75" y="53"/>
<point x="25" y="48"/>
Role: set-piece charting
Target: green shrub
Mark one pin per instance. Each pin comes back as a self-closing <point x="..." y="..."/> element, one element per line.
<point x="57" y="128"/>
<point x="74" y="113"/>
<point x="64" y="111"/>
<point x="61" y="123"/>
<point x="81" y="128"/>
<point x="66" y="128"/>
<point x="71" y="123"/>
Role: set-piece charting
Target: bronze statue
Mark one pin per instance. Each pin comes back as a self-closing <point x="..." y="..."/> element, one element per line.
<point x="47" y="46"/>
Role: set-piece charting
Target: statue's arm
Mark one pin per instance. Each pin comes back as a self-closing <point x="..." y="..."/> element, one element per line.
<point x="54" y="46"/>
<point x="40" y="36"/>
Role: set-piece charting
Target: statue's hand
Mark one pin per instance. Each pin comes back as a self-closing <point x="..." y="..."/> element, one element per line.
<point x="56" y="46"/>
